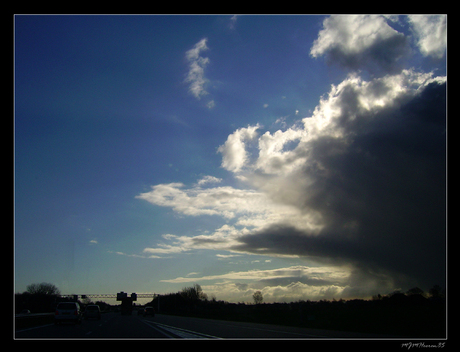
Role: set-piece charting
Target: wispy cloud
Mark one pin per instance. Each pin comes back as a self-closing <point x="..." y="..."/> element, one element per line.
<point x="225" y="256"/>
<point x="232" y="23"/>
<point x="313" y="273"/>
<point x="165" y="249"/>
<point x="208" y="180"/>
<point x="250" y="208"/>
<point x="135" y="255"/>
<point x="197" y="64"/>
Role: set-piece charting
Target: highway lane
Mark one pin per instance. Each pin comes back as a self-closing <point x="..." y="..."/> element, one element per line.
<point x="241" y="330"/>
<point x="115" y="325"/>
<point x="111" y="325"/>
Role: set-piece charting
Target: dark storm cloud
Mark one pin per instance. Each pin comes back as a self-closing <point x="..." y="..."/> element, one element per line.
<point x="382" y="197"/>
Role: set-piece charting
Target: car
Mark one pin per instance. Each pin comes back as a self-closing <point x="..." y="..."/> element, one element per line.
<point x="92" y="311"/>
<point x="67" y="312"/>
<point x="140" y="311"/>
<point x="149" y="311"/>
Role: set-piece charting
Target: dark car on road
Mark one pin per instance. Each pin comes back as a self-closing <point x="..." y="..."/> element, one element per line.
<point x="67" y="312"/>
<point x="149" y="311"/>
<point x="92" y="311"/>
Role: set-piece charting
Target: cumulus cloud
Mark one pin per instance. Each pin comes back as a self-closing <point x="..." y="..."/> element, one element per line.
<point x="362" y="182"/>
<point x="234" y="153"/>
<point x="431" y="33"/>
<point x="197" y="64"/>
<point x="372" y="165"/>
<point x="361" y="42"/>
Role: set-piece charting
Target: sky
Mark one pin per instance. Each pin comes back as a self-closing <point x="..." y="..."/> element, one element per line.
<point x="303" y="156"/>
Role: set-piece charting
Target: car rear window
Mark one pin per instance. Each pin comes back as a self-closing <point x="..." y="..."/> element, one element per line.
<point x="66" y="306"/>
<point x="91" y="308"/>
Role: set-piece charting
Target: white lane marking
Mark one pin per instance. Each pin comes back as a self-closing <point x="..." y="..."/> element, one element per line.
<point x="275" y="331"/>
<point x="183" y="333"/>
<point x="160" y="331"/>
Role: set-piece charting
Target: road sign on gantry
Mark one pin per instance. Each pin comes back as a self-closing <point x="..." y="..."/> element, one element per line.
<point x="121" y="295"/>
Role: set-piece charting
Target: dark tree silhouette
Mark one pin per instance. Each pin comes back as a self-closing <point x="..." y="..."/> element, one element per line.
<point x="43" y="288"/>
<point x="258" y="298"/>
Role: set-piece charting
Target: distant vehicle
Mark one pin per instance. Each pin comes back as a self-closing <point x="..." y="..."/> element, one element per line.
<point x="149" y="311"/>
<point x="25" y="311"/>
<point x="140" y="311"/>
<point x="92" y="311"/>
<point x="67" y="312"/>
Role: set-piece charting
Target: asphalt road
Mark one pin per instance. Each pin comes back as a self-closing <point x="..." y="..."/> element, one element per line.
<point x="115" y="325"/>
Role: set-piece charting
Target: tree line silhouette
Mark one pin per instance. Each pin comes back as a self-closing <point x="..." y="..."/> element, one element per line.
<point x="414" y="313"/>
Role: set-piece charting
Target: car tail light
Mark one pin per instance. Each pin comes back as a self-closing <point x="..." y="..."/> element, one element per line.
<point x="56" y="313"/>
<point x="76" y="312"/>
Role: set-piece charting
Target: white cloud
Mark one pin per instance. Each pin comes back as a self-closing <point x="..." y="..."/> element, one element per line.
<point x="211" y="104"/>
<point x="273" y="158"/>
<point x="165" y="249"/>
<point x="282" y="284"/>
<point x="225" y="256"/>
<point x="197" y="65"/>
<point x="135" y="255"/>
<point x="312" y="273"/>
<point x="351" y="34"/>
<point x="223" y="201"/>
<point x="431" y="33"/>
<point x="360" y="41"/>
<point x="234" y="154"/>
<point x="250" y="208"/>
<point x="232" y="23"/>
<point x="208" y="179"/>
<point x="355" y="99"/>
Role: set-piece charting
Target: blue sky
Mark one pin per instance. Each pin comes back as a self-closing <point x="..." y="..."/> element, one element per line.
<point x="241" y="153"/>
